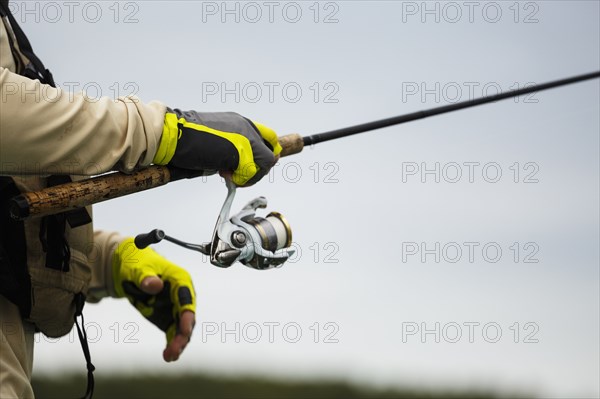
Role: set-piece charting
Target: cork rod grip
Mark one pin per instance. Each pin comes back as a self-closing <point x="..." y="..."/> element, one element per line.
<point x="291" y="144"/>
<point x="78" y="194"/>
<point x="82" y="193"/>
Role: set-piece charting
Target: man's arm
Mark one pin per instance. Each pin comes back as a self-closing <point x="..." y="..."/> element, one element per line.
<point x="100" y="259"/>
<point x="46" y="130"/>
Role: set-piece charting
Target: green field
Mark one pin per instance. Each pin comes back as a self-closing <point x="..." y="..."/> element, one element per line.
<point x="203" y="386"/>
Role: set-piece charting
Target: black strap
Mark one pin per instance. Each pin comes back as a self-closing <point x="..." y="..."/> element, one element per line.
<point x="79" y="302"/>
<point x="53" y="227"/>
<point x="15" y="283"/>
<point x="35" y="69"/>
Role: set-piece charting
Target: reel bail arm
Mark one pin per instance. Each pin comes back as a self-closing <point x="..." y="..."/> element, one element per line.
<point x="259" y="243"/>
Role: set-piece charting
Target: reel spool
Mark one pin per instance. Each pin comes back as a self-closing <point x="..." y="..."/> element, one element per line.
<point x="275" y="234"/>
<point x="257" y="242"/>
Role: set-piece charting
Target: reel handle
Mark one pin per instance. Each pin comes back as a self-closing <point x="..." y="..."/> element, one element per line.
<point x="146" y="239"/>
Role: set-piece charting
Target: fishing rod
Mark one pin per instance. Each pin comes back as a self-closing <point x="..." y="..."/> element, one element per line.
<point x="79" y="194"/>
<point x="398" y="120"/>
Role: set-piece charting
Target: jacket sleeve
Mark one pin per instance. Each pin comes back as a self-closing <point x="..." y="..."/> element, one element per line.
<point x="100" y="261"/>
<point x="46" y="130"/>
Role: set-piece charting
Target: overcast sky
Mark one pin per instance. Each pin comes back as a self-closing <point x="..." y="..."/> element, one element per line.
<point x="478" y="229"/>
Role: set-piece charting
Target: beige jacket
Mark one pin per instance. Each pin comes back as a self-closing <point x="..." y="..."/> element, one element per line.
<point x="44" y="131"/>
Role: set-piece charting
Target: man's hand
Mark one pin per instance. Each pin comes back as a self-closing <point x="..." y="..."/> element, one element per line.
<point x="218" y="141"/>
<point x="160" y="290"/>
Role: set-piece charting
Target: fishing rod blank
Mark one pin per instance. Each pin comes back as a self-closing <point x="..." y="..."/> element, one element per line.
<point x="397" y="120"/>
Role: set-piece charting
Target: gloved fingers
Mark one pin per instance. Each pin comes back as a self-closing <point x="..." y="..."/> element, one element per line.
<point x="245" y="172"/>
<point x="180" y="340"/>
<point x="152" y="285"/>
<point x="259" y="174"/>
<point x="264" y="164"/>
<point x="228" y="175"/>
<point x="265" y="150"/>
<point x="268" y="135"/>
<point x="182" y="289"/>
<point x="130" y="265"/>
<point x="182" y="296"/>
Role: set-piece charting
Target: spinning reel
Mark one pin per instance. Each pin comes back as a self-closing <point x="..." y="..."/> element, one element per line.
<point x="259" y="243"/>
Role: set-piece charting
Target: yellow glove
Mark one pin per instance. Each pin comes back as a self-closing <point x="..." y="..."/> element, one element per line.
<point x="160" y="290"/>
<point x="218" y="141"/>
